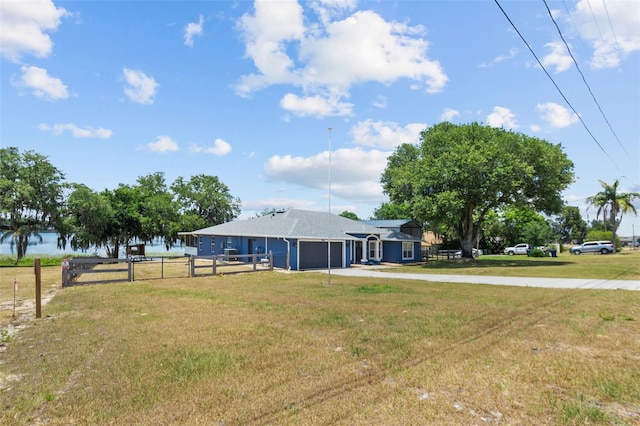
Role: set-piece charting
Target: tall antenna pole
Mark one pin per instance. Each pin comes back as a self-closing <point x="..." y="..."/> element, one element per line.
<point x="329" y="245"/>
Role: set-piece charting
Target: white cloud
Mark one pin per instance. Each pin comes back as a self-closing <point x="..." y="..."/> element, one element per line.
<point x="380" y="102"/>
<point x="163" y="144"/>
<point x="140" y="87"/>
<point x="449" y="114"/>
<point x="25" y="25"/>
<point x="42" y="84"/>
<point x="77" y="132"/>
<point x="316" y="106"/>
<point x="192" y="30"/>
<point x="501" y="58"/>
<point x="502" y="117"/>
<point x="355" y="173"/>
<point x="326" y="59"/>
<point x="219" y="148"/>
<point x="556" y="115"/>
<point x="386" y="135"/>
<point x="558" y="58"/>
<point x="594" y="22"/>
<point x="328" y="9"/>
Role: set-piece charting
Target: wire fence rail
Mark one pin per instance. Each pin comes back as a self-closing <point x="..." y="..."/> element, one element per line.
<point x="236" y="263"/>
<point x="136" y="268"/>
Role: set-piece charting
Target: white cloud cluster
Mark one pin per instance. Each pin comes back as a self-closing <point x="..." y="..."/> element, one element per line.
<point x="140" y="87"/>
<point x="612" y="29"/>
<point x="355" y="173"/>
<point x="193" y="29"/>
<point x="163" y="144"/>
<point x="77" y="132"/>
<point x="315" y="106"/>
<point x="556" y="115"/>
<point x="42" y="84"/>
<point x="25" y="25"/>
<point x="558" y="57"/>
<point x="502" y="117"/>
<point x="325" y="59"/>
<point x="449" y="114"/>
<point x="386" y="135"/>
<point x="220" y="148"/>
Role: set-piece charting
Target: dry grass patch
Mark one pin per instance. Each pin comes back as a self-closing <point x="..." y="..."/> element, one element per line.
<point x="621" y="266"/>
<point x="272" y="348"/>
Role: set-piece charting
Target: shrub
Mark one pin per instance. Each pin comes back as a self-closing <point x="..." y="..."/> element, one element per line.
<point x="536" y="252"/>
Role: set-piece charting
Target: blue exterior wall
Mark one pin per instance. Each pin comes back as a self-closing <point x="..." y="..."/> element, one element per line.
<point x="392" y="252"/>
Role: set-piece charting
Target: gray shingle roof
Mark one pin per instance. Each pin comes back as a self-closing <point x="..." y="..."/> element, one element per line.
<point x="294" y="223"/>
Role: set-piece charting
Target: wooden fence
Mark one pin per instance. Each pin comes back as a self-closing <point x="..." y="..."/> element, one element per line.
<point x="229" y="264"/>
<point x="73" y="268"/>
<point x="106" y="270"/>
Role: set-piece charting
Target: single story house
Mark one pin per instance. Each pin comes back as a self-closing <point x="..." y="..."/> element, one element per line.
<point x="299" y="240"/>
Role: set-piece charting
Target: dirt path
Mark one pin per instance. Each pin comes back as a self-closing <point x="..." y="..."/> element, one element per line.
<point x="25" y="312"/>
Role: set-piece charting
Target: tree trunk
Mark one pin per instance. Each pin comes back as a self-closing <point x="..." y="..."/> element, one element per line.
<point x="21" y="246"/>
<point x="467" y="246"/>
<point x="468" y="235"/>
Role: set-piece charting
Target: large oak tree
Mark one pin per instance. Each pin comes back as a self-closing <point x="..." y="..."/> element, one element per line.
<point x="31" y="195"/>
<point x="460" y="173"/>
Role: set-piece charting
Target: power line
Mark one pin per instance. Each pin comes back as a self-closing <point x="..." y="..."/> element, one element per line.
<point x="615" y="38"/>
<point x="555" y="84"/>
<point x="583" y="77"/>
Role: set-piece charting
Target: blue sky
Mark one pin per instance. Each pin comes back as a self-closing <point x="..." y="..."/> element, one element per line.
<point x="246" y="91"/>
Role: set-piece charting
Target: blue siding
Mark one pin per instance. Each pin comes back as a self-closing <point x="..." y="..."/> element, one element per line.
<point x="392" y="252"/>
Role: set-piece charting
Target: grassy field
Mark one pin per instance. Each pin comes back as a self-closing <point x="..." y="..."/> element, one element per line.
<point x="622" y="266"/>
<point x="276" y="348"/>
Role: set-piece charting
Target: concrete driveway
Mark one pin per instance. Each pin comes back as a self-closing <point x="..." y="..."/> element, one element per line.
<point x="590" y="284"/>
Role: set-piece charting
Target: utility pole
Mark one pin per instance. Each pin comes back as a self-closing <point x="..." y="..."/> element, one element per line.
<point x="329" y="239"/>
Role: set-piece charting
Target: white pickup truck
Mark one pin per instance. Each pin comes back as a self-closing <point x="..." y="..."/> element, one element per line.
<point x="517" y="249"/>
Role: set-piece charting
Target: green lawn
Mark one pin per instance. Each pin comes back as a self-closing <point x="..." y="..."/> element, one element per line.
<point x="278" y="348"/>
<point x="620" y="266"/>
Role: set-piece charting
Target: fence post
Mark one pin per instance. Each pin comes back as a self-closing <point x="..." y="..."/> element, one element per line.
<point x="271" y="260"/>
<point x="129" y="269"/>
<point x="36" y="267"/>
<point x="65" y="272"/>
<point x="192" y="266"/>
<point x="215" y="261"/>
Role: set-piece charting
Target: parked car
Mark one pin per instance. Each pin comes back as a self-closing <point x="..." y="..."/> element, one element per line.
<point x="475" y="252"/>
<point x="603" y="247"/>
<point x="518" y="249"/>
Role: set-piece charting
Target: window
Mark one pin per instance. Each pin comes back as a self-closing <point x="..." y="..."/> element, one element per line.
<point x="372" y="250"/>
<point x="213" y="244"/>
<point x="229" y="241"/>
<point x="199" y="242"/>
<point x="407" y="250"/>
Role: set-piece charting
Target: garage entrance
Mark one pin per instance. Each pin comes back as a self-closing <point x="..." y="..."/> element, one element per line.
<point x="313" y="255"/>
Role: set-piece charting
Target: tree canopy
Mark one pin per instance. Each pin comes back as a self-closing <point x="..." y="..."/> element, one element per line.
<point x="460" y="173"/>
<point x="35" y="198"/>
<point x="31" y="196"/>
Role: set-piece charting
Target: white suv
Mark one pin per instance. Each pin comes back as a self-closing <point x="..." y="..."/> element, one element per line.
<point x="603" y="247"/>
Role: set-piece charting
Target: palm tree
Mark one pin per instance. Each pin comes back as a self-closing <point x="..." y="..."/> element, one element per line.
<point x="612" y="203"/>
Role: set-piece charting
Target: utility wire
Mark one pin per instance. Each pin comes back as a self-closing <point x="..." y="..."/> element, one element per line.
<point x="593" y="15"/>
<point x="555" y="84"/>
<point x="615" y="38"/>
<point x="583" y="77"/>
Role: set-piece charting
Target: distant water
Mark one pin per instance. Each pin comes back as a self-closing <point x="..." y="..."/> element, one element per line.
<point x="49" y="247"/>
